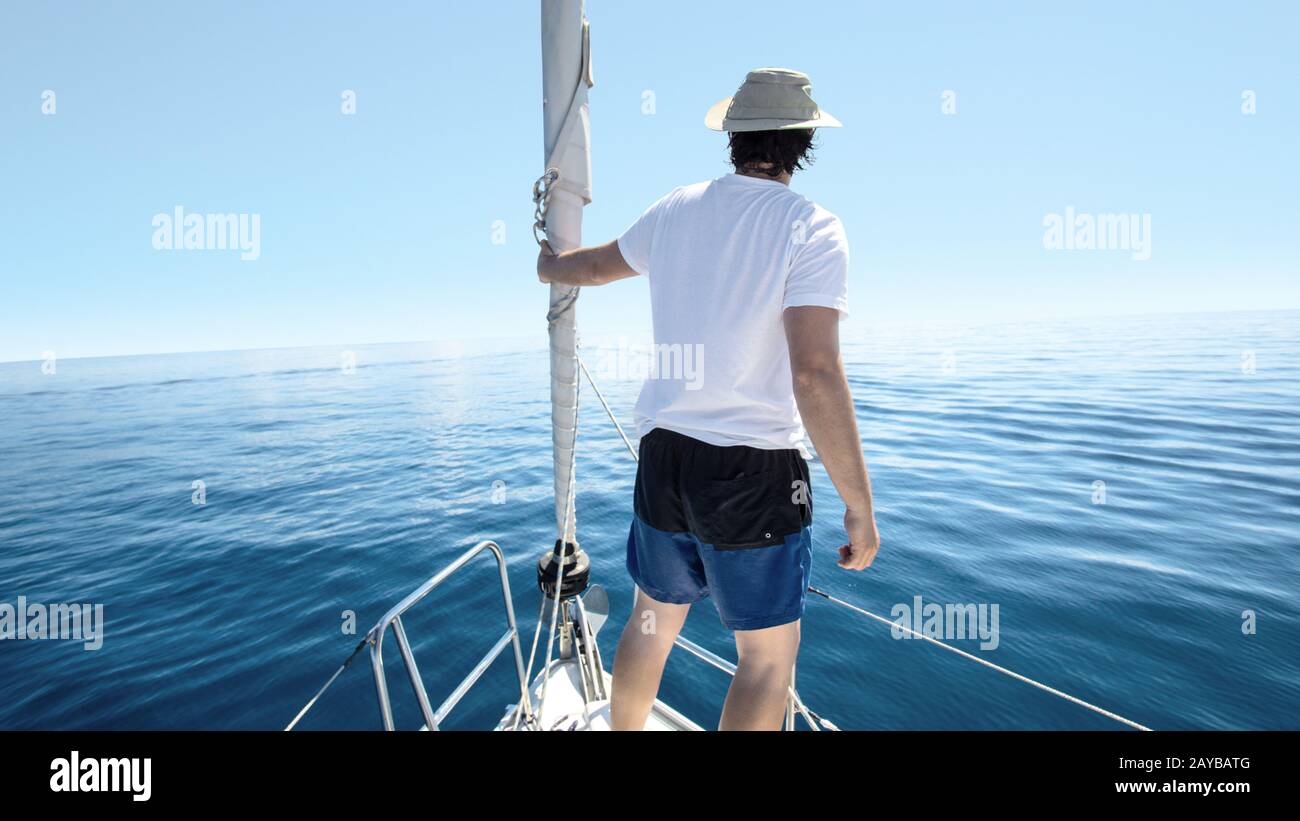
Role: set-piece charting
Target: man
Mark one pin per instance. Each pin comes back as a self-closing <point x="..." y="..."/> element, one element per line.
<point x="748" y="279"/>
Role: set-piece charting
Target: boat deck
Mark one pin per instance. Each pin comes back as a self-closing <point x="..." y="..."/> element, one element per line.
<point x="565" y="708"/>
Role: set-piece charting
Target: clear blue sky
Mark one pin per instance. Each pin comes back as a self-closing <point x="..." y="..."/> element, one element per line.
<point x="378" y="227"/>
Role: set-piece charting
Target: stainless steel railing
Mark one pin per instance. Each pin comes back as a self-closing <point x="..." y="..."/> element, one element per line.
<point x="433" y="718"/>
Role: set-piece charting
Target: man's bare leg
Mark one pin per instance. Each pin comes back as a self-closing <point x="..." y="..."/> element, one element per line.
<point x="639" y="661"/>
<point x="757" y="698"/>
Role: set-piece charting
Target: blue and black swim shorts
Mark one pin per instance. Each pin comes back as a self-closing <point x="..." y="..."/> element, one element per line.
<point x="733" y="523"/>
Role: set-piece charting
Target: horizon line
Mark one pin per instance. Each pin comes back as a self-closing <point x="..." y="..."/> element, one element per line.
<point x="519" y="338"/>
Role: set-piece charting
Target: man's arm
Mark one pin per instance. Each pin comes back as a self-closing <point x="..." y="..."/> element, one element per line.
<point x="583" y="266"/>
<point x="822" y="393"/>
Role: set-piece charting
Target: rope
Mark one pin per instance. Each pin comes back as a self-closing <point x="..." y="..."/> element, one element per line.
<point x="564" y="541"/>
<point x="572" y="492"/>
<point x="986" y="663"/>
<point x="570" y="496"/>
<point x="542" y="190"/>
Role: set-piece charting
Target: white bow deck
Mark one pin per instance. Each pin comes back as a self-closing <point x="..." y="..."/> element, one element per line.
<point x="566" y="709"/>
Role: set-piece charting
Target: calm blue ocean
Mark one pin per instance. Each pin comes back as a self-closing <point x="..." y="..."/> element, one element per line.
<point x="330" y="491"/>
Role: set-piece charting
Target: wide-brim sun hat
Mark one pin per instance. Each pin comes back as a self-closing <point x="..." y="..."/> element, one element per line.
<point x="771" y="99"/>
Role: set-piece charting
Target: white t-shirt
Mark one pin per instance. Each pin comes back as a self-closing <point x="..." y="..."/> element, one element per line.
<point x="725" y="258"/>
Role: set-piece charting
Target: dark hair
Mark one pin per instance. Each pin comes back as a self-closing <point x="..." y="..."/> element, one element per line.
<point x="788" y="150"/>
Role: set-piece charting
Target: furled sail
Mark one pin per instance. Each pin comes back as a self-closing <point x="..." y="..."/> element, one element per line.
<point x="566" y="76"/>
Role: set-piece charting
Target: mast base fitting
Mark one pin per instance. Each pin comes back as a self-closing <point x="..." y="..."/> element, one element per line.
<point x="574" y="568"/>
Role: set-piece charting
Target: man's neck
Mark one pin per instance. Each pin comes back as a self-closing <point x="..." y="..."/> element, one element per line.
<point x="783" y="177"/>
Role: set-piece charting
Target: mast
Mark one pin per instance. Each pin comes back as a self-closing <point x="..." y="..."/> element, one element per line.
<point x="566" y="76"/>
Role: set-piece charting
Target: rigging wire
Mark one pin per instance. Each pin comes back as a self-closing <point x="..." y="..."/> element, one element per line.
<point x="612" y="418"/>
<point x="1026" y="679"/>
<point x="321" y="691"/>
<point x="808" y="714"/>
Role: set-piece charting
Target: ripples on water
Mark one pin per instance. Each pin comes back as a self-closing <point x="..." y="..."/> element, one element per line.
<point x="330" y="492"/>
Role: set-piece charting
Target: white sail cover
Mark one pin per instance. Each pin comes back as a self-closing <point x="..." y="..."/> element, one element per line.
<point x="566" y="76"/>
